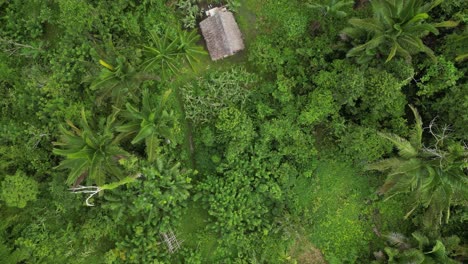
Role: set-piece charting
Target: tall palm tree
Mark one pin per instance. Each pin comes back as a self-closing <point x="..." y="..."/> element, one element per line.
<point x="432" y="176"/>
<point x="151" y="123"/>
<point x="91" y="153"/>
<point x="395" y="29"/>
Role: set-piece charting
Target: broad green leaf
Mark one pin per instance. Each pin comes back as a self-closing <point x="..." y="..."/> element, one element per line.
<point x="392" y="53"/>
<point x="447" y="24"/>
<point x="107" y="65"/>
<point x="143" y="133"/>
<point x="152" y="143"/>
<point x="438" y="250"/>
<point x="418" y="18"/>
<point x="461" y="57"/>
<point x="368" y="45"/>
<point x="129" y="128"/>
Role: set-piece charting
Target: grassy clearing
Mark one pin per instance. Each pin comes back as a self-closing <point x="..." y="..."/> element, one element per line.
<point x="342" y="212"/>
<point x="193" y="231"/>
<point x="334" y="202"/>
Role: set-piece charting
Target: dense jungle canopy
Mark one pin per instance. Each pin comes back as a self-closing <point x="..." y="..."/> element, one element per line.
<point x="337" y="135"/>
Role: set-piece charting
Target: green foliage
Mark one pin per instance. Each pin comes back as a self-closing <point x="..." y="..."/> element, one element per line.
<point x="188" y="49"/>
<point x="12" y="256"/>
<point x="450" y="108"/>
<point x="228" y="119"/>
<point x="117" y="83"/>
<point x="162" y="55"/>
<point x="455" y="46"/>
<point x="433" y="176"/>
<point x="438" y="77"/>
<point x="18" y="190"/>
<point x="383" y="99"/>
<point x="453" y="8"/>
<point x="75" y="16"/>
<point x="396" y="29"/>
<point x="332" y="7"/>
<point x="151" y="123"/>
<point x="362" y="144"/>
<point x="206" y="96"/>
<point x="346" y="89"/>
<point x="167" y="54"/>
<point x="239" y="202"/>
<point x="90" y="153"/>
<point x="418" y="249"/>
<point x="190" y="12"/>
<point x="150" y="206"/>
<point x="337" y="216"/>
<point x="285" y="19"/>
<point x="235" y="128"/>
<point x="321" y="105"/>
<point x="258" y="127"/>
<point x="21" y="23"/>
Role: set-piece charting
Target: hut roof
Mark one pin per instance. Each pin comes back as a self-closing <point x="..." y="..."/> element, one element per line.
<point x="222" y="35"/>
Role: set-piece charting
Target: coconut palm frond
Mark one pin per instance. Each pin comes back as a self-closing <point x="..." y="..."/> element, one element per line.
<point x="405" y="149"/>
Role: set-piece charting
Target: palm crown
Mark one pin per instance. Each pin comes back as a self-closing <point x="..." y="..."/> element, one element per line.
<point x="418" y="249"/>
<point x="433" y="176"/>
<point x="396" y="29"/>
<point x="91" y="153"/>
<point x="150" y="123"/>
<point x="168" y="54"/>
<point x="117" y="82"/>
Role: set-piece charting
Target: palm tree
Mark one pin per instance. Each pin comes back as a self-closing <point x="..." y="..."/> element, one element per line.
<point x="167" y="55"/>
<point x="418" y="249"/>
<point x="90" y="153"/>
<point x="117" y="82"/>
<point x="173" y="181"/>
<point x="433" y="176"/>
<point x="188" y="49"/>
<point x="151" y="123"/>
<point x="396" y="29"/>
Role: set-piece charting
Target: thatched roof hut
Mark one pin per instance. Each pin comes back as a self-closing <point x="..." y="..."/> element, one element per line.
<point x="222" y="35"/>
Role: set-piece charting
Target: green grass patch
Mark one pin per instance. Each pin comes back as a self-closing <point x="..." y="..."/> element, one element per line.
<point x="334" y="202"/>
<point x="340" y="211"/>
<point x="193" y="231"/>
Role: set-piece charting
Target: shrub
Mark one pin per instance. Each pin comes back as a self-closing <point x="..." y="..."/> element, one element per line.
<point x="205" y="97"/>
<point x="18" y="190"/>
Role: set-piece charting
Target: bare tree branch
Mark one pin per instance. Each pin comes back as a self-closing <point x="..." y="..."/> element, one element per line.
<point x="92" y="190"/>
